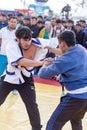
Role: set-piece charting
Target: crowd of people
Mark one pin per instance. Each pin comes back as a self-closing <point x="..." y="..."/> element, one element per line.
<point x="48" y="28"/>
<point x="19" y="40"/>
<point x="45" y="28"/>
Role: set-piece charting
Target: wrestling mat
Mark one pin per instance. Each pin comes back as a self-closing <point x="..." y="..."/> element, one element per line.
<point x="13" y="114"/>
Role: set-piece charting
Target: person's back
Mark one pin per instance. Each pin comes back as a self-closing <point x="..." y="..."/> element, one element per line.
<point x="75" y="67"/>
<point x="85" y="41"/>
<point x="72" y="69"/>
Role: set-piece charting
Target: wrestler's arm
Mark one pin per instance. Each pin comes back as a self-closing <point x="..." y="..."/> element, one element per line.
<point x="16" y="58"/>
<point x="29" y="63"/>
<point x="56" y="51"/>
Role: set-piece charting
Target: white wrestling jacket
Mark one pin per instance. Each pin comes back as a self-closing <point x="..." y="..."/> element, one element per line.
<point x="14" y="54"/>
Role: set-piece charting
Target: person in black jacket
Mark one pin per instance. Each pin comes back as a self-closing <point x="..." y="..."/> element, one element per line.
<point x="79" y="34"/>
<point x="85" y="41"/>
<point x="34" y="28"/>
<point x="26" y="21"/>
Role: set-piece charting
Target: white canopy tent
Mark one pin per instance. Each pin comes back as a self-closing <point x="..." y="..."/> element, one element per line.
<point x="81" y="12"/>
<point x="11" y="4"/>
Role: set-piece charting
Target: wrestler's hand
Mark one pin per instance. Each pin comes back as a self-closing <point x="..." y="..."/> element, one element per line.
<point x="49" y="48"/>
<point x="48" y="61"/>
<point x="40" y="63"/>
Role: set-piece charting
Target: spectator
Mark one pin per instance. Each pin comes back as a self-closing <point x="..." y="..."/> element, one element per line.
<point x="26" y="21"/>
<point x="40" y="25"/>
<point x="85" y="41"/>
<point x="79" y="34"/>
<point x="46" y="32"/>
<point x="8" y="33"/>
<point x="40" y="18"/>
<point x="59" y="27"/>
<point x="53" y="24"/>
<point x="70" y="25"/>
<point x="20" y="18"/>
<point x="3" y="21"/>
<point x="83" y="24"/>
<point x="34" y="28"/>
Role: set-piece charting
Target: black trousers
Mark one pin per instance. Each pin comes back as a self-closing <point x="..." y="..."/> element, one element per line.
<point x="28" y="95"/>
<point x="70" y="109"/>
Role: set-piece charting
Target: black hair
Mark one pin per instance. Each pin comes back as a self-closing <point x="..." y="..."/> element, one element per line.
<point x="58" y="21"/>
<point x="68" y="37"/>
<point x="20" y="14"/>
<point x="40" y="21"/>
<point x="34" y="17"/>
<point x="78" y="24"/>
<point x="27" y="18"/>
<point x="3" y="14"/>
<point x="12" y="17"/>
<point x="63" y="21"/>
<point x="83" y="21"/>
<point x="23" y="32"/>
<point x="39" y="16"/>
<point x="70" y="21"/>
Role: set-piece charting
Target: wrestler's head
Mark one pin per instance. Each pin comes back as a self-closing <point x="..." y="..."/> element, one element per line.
<point x="24" y="36"/>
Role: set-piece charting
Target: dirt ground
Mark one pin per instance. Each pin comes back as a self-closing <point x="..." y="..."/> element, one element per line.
<point x="13" y="114"/>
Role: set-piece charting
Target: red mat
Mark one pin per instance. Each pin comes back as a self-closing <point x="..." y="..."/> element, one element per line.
<point x="46" y="81"/>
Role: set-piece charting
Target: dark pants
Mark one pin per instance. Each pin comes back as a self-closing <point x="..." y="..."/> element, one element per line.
<point x="27" y="93"/>
<point x="69" y="109"/>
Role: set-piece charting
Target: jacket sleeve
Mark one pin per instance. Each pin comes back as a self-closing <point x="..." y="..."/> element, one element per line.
<point x="85" y="41"/>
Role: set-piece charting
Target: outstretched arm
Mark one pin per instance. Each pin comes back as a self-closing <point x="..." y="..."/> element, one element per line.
<point x="56" y="51"/>
<point x="29" y="63"/>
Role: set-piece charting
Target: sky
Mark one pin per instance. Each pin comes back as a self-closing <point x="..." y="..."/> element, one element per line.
<point x="55" y="6"/>
<point x="11" y="4"/>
